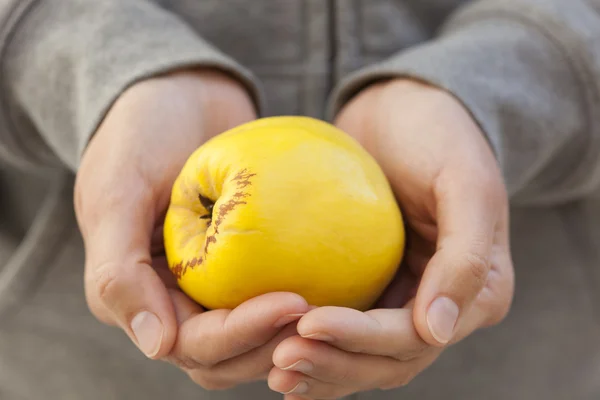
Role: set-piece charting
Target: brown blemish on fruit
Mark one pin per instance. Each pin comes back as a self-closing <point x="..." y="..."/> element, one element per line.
<point x="242" y="180"/>
<point x="209" y="239"/>
<point x="177" y="270"/>
<point x="181" y="268"/>
<point x="239" y="195"/>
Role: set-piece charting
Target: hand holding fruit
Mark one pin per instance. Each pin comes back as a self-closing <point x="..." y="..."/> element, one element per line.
<point x="233" y="244"/>
<point x="457" y="274"/>
<point x="283" y="204"/>
<point x="122" y="192"/>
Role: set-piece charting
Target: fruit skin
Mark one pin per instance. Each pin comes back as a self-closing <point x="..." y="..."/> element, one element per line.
<point x="299" y="206"/>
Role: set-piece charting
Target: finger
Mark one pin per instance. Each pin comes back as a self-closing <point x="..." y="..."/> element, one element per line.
<point x="214" y="336"/>
<point x="385" y="332"/>
<point x="493" y="302"/>
<point x="402" y="289"/>
<point x="327" y="363"/>
<point x="296" y="385"/>
<point x="185" y="307"/>
<point x="318" y="370"/>
<point x="467" y="213"/>
<point x="122" y="288"/>
<point x="248" y="367"/>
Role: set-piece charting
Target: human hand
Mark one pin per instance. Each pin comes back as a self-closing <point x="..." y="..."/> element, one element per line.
<point x="121" y="194"/>
<point x="457" y="273"/>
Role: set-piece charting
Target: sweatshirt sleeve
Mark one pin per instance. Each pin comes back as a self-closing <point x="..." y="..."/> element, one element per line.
<point x="528" y="71"/>
<point x="63" y="63"/>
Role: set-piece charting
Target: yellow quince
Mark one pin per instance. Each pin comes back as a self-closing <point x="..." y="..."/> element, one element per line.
<point x="283" y="204"/>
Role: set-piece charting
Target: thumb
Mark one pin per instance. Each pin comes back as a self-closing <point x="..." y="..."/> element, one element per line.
<point x="467" y="213"/>
<point x="121" y="286"/>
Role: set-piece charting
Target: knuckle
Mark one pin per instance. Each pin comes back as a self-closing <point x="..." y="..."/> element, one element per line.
<point x="97" y="310"/>
<point x="183" y="363"/>
<point x="476" y="266"/>
<point x="95" y="292"/>
<point x="107" y="283"/>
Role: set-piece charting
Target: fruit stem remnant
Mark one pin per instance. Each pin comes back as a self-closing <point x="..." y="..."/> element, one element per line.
<point x="208" y="204"/>
<point x="242" y="180"/>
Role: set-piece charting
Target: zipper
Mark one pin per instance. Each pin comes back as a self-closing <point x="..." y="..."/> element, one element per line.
<point x="332" y="36"/>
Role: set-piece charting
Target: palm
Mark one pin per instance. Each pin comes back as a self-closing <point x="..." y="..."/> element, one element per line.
<point x="447" y="185"/>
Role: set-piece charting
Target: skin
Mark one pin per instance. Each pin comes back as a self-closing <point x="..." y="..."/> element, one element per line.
<point x="121" y="195"/>
<point x="451" y="192"/>
<point x="443" y="174"/>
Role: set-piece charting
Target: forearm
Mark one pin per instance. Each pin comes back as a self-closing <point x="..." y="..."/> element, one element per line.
<point x="64" y="63"/>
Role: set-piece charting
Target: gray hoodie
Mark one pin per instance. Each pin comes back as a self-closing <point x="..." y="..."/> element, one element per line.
<point x="527" y="70"/>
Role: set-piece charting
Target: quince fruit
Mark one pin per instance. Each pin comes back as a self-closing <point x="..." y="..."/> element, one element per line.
<point x="283" y="204"/>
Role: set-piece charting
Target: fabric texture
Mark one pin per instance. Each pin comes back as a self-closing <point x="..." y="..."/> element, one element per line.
<point x="527" y="70"/>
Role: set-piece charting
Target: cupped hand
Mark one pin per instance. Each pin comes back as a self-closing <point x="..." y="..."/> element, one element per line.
<point x="122" y="191"/>
<point x="457" y="273"/>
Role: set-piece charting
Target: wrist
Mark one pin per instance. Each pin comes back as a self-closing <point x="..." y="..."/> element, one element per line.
<point x="367" y="115"/>
<point x="408" y="87"/>
<point x="227" y="101"/>
<point x="400" y="86"/>
<point x="222" y="100"/>
<point x="213" y="100"/>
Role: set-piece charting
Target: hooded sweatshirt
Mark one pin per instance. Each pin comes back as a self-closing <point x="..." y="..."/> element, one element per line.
<point x="527" y="70"/>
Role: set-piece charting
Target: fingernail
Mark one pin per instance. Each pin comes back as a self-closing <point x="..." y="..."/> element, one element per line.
<point x="148" y="331"/>
<point x="441" y="319"/>
<point x="286" y="319"/>
<point x="304" y="366"/>
<point x="323" y="337"/>
<point x="301" y="387"/>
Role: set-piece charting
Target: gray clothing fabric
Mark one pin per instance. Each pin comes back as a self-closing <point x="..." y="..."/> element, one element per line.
<point x="527" y="70"/>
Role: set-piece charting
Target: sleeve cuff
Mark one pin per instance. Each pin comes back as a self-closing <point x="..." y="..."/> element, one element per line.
<point x="514" y="76"/>
<point x="67" y="62"/>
